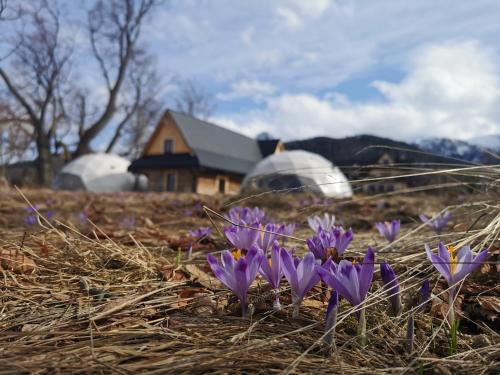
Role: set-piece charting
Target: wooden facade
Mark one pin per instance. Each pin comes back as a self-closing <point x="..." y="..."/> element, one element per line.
<point x="167" y="142"/>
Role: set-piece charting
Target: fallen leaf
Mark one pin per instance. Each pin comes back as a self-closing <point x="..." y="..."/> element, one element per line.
<point x="203" y="278"/>
<point x="16" y="261"/>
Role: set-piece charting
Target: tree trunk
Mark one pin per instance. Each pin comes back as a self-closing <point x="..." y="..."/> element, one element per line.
<point x="44" y="160"/>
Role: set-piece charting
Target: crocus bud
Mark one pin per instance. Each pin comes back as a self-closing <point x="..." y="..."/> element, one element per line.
<point x="391" y="287"/>
<point x="331" y="319"/>
<point x="409" y="333"/>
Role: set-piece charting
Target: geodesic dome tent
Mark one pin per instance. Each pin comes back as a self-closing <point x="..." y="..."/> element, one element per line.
<point x="99" y="173"/>
<point x="300" y="171"/>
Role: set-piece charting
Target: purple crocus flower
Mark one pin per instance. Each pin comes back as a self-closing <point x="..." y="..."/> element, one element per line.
<point x="246" y="216"/>
<point x="326" y="222"/>
<point x="288" y="229"/>
<point x="272" y="271"/>
<point x="352" y="281"/>
<point x="389" y="229"/>
<point x="391" y="287"/>
<point x="438" y="222"/>
<point x="200" y="232"/>
<point x="455" y="265"/>
<point x="301" y="276"/>
<point x="267" y="237"/>
<point x="342" y="239"/>
<point x="82" y="217"/>
<point x="237" y="275"/>
<point x="128" y="223"/>
<point x="242" y="237"/>
<point x="320" y="243"/>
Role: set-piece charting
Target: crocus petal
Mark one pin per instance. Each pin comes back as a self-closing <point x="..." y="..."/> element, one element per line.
<point x="227" y="260"/>
<point x="289" y="269"/>
<point x="254" y="259"/>
<point x="444" y="253"/>
<point x="240" y="273"/>
<point x="439" y="264"/>
<point x="226" y="278"/>
<point x="366" y="273"/>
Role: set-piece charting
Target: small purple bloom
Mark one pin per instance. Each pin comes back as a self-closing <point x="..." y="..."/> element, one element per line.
<point x="246" y="216"/>
<point x="342" y="239"/>
<point x="351" y="281"/>
<point x="128" y="223"/>
<point x="320" y="243"/>
<point x="425" y="294"/>
<point x="200" y="232"/>
<point x="389" y="229"/>
<point x="301" y="276"/>
<point x="453" y="265"/>
<point x="272" y="270"/>
<point x="82" y="217"/>
<point x="425" y="291"/>
<point x="391" y="287"/>
<point x="50" y="214"/>
<point x="287" y="229"/>
<point x="241" y="237"/>
<point x="326" y="222"/>
<point x="30" y="220"/>
<point x="438" y="222"/>
<point x="237" y="275"/>
<point x="267" y="237"/>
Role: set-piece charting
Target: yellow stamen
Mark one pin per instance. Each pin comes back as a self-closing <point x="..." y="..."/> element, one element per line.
<point x="453" y="259"/>
<point x="237" y="254"/>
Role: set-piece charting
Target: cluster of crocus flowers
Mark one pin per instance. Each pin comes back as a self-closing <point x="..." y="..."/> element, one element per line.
<point x="246" y="215"/>
<point x="323" y="242"/>
<point x="326" y="222"/>
<point x="389" y="230"/>
<point x="437" y="222"/>
<point x="239" y="274"/>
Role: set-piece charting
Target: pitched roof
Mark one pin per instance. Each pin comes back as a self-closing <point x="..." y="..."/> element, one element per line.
<point x="217" y="147"/>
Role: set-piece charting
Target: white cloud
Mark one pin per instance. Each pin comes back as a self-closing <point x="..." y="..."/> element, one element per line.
<point x="450" y="90"/>
<point x="291" y="19"/>
<point x="253" y="89"/>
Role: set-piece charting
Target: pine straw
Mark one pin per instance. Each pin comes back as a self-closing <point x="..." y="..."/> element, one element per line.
<point x="99" y="305"/>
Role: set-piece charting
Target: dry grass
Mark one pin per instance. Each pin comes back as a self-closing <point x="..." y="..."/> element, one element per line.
<point x="107" y="299"/>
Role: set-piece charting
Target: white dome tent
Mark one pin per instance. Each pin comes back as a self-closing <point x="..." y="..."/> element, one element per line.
<point x="99" y="173"/>
<point x="299" y="169"/>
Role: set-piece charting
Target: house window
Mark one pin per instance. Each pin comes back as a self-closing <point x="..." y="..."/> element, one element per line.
<point x="170" y="181"/>
<point x="222" y="185"/>
<point x="168" y="146"/>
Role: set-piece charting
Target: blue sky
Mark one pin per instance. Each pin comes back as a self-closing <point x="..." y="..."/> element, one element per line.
<point x="300" y="68"/>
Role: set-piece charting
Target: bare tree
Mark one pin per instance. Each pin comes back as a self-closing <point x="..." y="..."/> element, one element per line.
<point x="142" y="86"/>
<point x="38" y="69"/>
<point x="37" y="78"/>
<point x="114" y="29"/>
<point x="16" y="136"/>
<point x="193" y="100"/>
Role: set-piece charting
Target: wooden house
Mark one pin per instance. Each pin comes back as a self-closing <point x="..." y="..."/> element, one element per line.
<point x="185" y="154"/>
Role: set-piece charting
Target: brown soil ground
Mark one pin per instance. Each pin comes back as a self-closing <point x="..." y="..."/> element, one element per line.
<point x="117" y="293"/>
